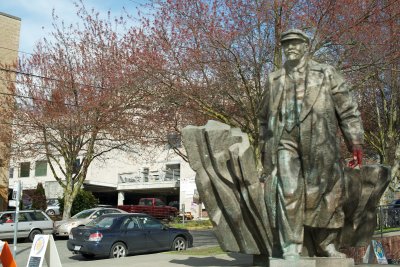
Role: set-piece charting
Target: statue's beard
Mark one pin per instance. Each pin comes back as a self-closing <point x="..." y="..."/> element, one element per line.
<point x="294" y="57"/>
<point x="292" y="60"/>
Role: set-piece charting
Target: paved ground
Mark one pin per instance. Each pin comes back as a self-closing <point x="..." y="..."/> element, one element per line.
<point x="202" y="239"/>
<point x="176" y="260"/>
<point x="167" y="260"/>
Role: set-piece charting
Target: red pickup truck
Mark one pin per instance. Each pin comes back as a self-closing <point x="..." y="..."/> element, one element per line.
<point x="152" y="206"/>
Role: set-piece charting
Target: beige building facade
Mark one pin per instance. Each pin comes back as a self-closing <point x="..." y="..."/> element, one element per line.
<point x="9" y="44"/>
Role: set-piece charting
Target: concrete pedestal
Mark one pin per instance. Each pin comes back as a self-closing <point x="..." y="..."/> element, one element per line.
<point x="333" y="262"/>
<point x="261" y="260"/>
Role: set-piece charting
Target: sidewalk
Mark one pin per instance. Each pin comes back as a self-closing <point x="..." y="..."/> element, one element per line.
<point x="168" y="260"/>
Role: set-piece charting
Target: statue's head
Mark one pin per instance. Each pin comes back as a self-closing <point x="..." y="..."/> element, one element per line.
<point x="295" y="44"/>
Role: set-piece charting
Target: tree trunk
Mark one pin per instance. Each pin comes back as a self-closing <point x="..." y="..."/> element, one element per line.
<point x="69" y="196"/>
<point x="68" y="199"/>
<point x="278" y="31"/>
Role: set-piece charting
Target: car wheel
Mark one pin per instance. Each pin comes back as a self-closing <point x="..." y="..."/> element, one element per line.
<point x="118" y="250"/>
<point x="179" y="244"/>
<point x="33" y="233"/>
<point x="50" y="212"/>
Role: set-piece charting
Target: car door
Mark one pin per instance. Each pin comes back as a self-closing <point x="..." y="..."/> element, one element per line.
<point x="134" y="235"/>
<point x="24" y="225"/>
<point x="39" y="220"/>
<point x="7" y="225"/>
<point x="159" y="210"/>
<point x="157" y="235"/>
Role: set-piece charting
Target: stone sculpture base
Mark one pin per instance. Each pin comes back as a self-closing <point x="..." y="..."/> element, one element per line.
<point x="258" y="260"/>
<point x="229" y="186"/>
<point x="228" y="183"/>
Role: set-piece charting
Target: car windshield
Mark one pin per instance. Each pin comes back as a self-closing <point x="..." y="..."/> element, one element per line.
<point x="83" y="214"/>
<point x="396" y="202"/>
<point x="52" y="202"/>
<point x="102" y="222"/>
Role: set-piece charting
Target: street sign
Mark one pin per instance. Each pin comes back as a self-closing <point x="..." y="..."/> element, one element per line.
<point x="12" y="203"/>
<point x="17" y="191"/>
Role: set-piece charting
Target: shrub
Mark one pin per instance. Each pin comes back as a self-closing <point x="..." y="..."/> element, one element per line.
<point x="39" y="198"/>
<point x="83" y="200"/>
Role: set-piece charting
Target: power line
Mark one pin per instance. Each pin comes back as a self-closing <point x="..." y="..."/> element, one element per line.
<point x="37" y="99"/>
<point x="48" y="78"/>
<point x="19" y="82"/>
<point x="19" y="51"/>
<point x="31" y="97"/>
<point x="40" y="86"/>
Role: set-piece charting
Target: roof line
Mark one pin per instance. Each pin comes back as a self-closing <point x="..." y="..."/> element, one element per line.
<point x="10" y="16"/>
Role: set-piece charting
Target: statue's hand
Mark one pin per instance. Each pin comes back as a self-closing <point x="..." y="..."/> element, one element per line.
<point x="357" y="156"/>
<point x="263" y="177"/>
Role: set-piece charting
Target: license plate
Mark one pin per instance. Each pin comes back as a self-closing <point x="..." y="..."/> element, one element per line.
<point x="77" y="247"/>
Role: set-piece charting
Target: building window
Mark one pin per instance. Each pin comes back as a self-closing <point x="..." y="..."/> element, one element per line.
<point x="41" y="168"/>
<point x="172" y="172"/>
<point x="77" y="166"/>
<point x="24" y="169"/>
<point x="11" y="173"/>
<point x="145" y="174"/>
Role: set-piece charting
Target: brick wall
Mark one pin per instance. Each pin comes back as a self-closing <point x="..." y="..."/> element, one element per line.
<point x="391" y="247"/>
<point x="9" y="38"/>
<point x="9" y="44"/>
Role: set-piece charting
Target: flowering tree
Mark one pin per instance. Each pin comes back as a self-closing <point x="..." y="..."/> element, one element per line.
<point x="360" y="38"/>
<point x="93" y="90"/>
<point x="212" y="61"/>
<point x="213" y="58"/>
<point x="83" y="97"/>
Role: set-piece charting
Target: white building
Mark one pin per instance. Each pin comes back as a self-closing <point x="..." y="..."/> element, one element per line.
<point x="122" y="178"/>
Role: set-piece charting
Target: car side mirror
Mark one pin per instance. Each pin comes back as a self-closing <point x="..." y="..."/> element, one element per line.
<point x="165" y="227"/>
<point x="93" y="217"/>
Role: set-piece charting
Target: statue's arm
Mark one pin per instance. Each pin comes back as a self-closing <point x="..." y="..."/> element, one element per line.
<point x="347" y="111"/>
<point x="262" y="116"/>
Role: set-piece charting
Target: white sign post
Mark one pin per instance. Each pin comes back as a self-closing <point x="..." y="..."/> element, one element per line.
<point x="44" y="247"/>
<point x="16" y="196"/>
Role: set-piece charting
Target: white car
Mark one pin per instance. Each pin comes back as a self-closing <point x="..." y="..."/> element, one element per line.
<point x="30" y="223"/>
<point x="53" y="207"/>
<point x="63" y="228"/>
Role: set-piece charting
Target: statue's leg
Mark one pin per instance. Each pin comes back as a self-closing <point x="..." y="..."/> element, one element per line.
<point x="290" y="204"/>
<point x="326" y="242"/>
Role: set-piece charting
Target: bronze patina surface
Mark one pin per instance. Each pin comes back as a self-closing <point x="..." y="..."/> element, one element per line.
<point x="308" y="203"/>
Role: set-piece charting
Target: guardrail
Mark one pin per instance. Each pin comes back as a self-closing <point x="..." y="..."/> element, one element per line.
<point x="133" y="178"/>
<point x="388" y="217"/>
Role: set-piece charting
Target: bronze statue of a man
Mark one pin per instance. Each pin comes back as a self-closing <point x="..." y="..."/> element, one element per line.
<point x="304" y="104"/>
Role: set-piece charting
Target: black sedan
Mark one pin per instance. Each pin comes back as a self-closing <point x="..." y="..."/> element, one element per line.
<point x="117" y="235"/>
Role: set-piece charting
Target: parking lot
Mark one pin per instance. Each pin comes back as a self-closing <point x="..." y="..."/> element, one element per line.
<point x="201" y="239"/>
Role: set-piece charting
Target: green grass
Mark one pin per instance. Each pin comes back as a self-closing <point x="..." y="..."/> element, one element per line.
<point x="202" y="251"/>
<point x="192" y="225"/>
<point x="387" y="230"/>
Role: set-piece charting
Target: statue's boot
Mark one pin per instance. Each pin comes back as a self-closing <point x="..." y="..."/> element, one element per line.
<point x="331" y="251"/>
<point x="291" y="252"/>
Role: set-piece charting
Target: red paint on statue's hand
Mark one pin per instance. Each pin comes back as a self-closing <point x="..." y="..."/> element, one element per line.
<point x="357" y="156"/>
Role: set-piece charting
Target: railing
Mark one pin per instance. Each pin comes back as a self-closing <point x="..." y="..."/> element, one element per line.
<point x="168" y="176"/>
<point x="388" y="218"/>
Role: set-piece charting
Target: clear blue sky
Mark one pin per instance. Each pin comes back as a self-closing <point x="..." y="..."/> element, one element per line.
<point x="36" y="15"/>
